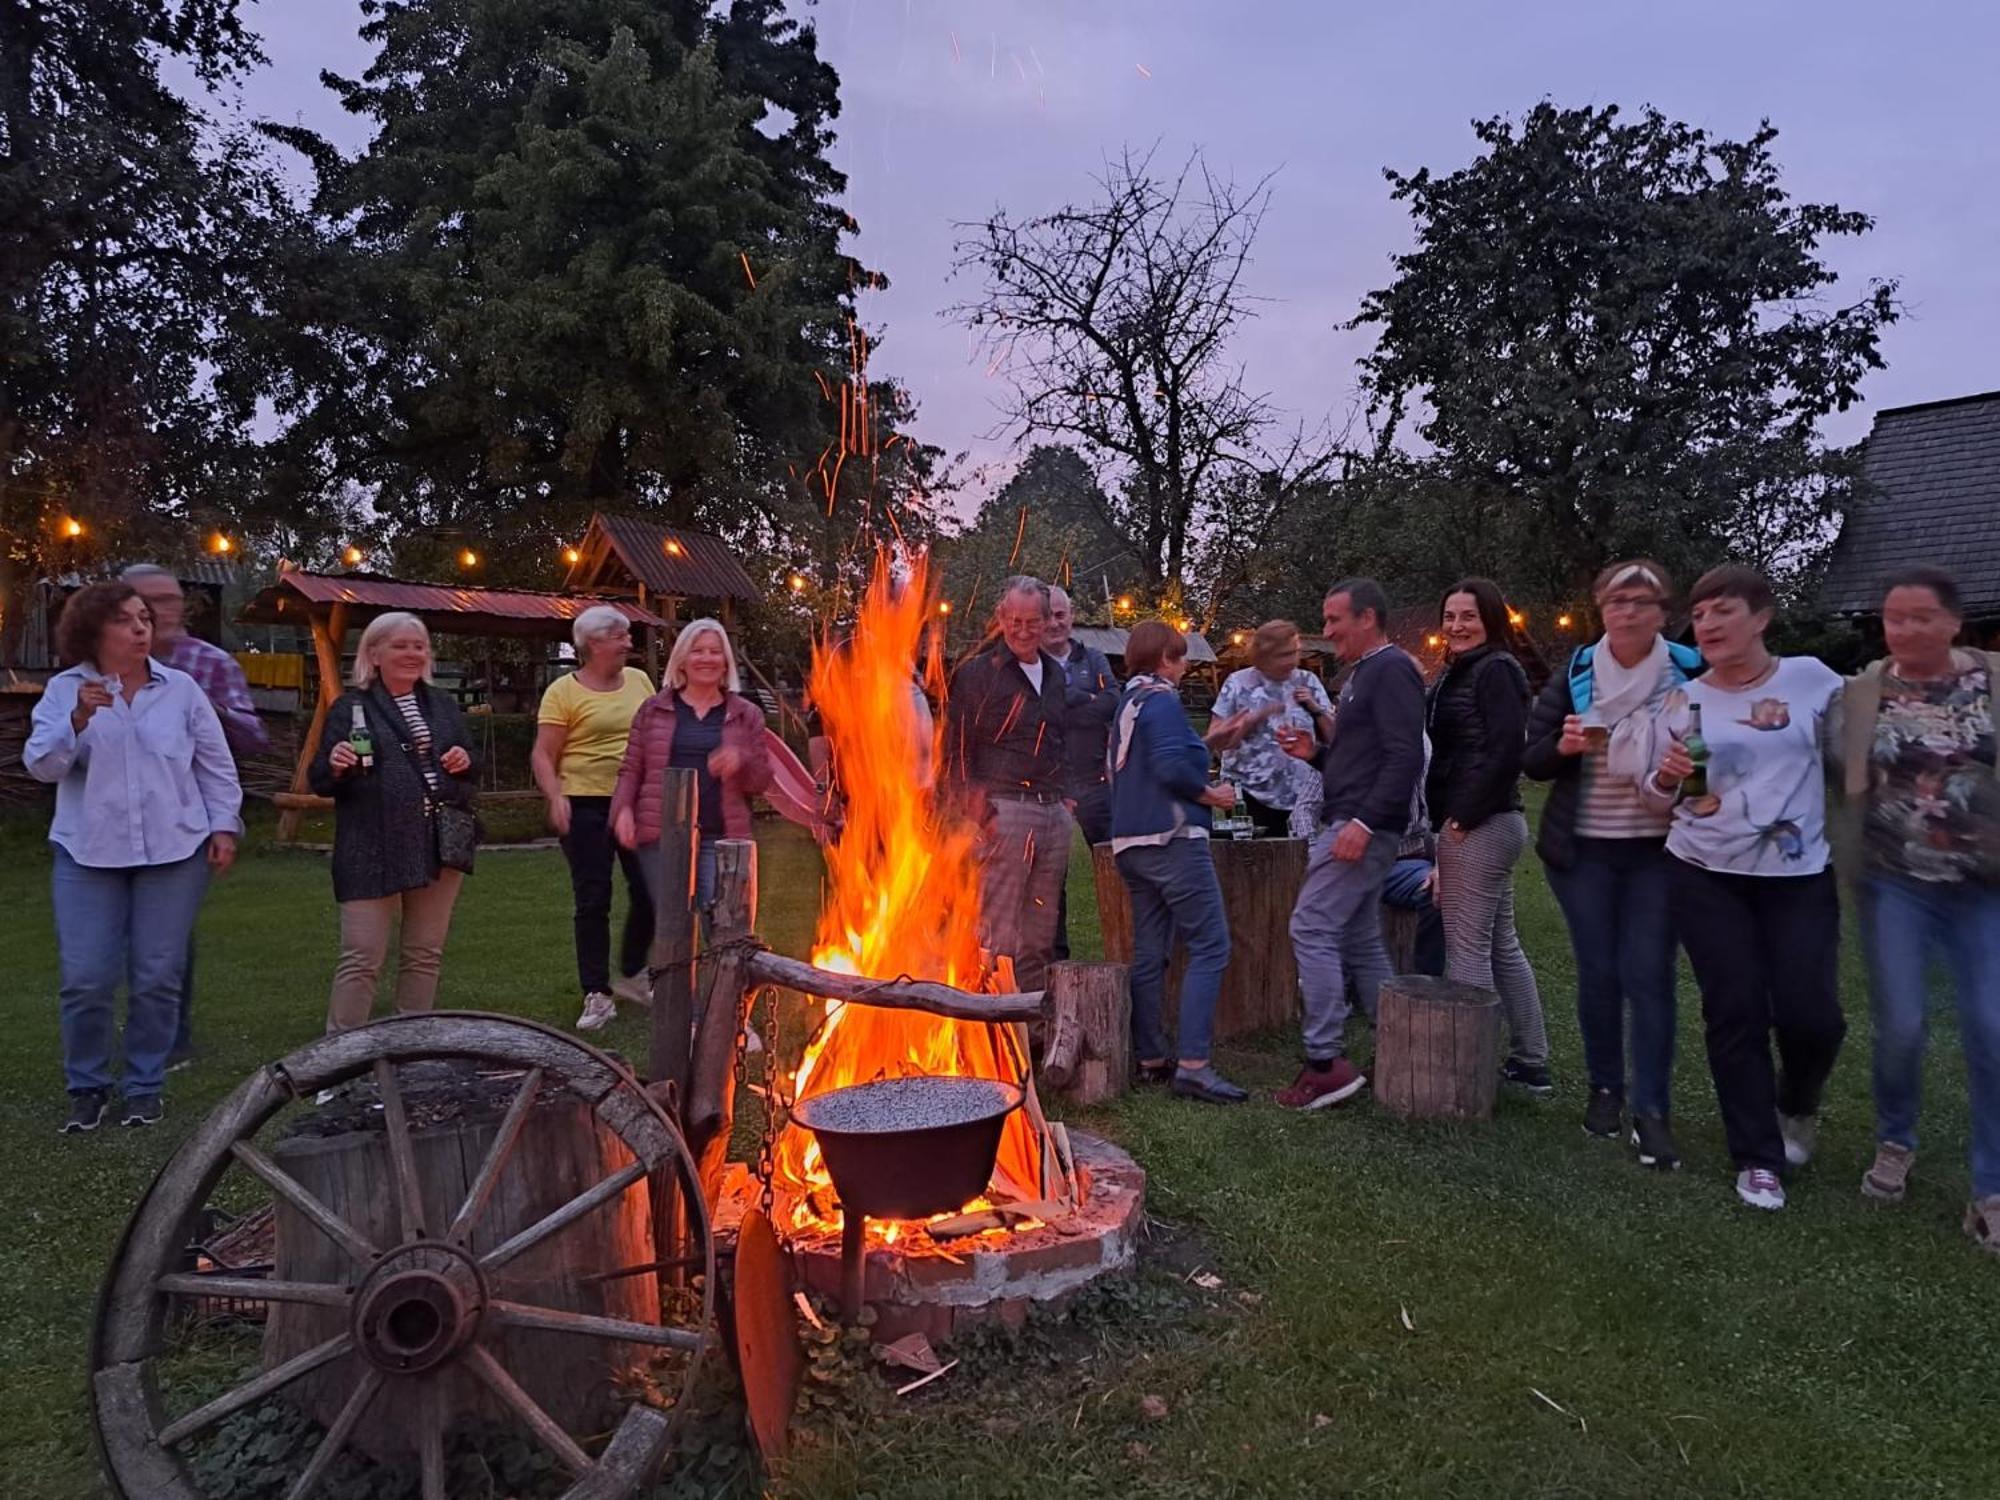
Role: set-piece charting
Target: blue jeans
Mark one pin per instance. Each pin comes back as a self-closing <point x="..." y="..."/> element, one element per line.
<point x="1408" y="889"/>
<point x="704" y="877"/>
<point x="1903" y="923"/>
<point x="130" y="924"/>
<point x="1337" y="932"/>
<point x="1174" y="889"/>
<point x="1614" y="899"/>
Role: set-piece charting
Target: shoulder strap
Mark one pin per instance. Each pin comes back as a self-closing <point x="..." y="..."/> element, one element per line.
<point x="1861" y="701"/>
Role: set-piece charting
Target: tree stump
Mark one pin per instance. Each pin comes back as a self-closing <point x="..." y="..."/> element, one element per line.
<point x="341" y="1157"/>
<point x="1437" y="1049"/>
<point x="1260" y="881"/>
<point x="1090" y="1039"/>
<point x="1399" y="938"/>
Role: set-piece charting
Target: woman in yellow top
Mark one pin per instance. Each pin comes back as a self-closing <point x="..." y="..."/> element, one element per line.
<point x="580" y="736"/>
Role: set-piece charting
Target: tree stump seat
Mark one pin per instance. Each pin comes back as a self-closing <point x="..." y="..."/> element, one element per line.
<point x="1437" y="1049"/>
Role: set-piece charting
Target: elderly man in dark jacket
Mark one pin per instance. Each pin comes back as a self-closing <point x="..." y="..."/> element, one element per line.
<point x="1005" y="768"/>
<point x="1093" y="700"/>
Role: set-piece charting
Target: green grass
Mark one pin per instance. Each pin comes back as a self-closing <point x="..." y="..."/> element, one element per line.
<point x="1696" y="1348"/>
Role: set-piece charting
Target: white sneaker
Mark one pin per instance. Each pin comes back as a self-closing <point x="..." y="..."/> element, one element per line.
<point x="634" y="989"/>
<point x="1760" y="1189"/>
<point x="1801" y="1133"/>
<point x="598" y="1009"/>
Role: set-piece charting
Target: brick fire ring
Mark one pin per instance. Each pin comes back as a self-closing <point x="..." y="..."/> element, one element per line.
<point x="985" y="1278"/>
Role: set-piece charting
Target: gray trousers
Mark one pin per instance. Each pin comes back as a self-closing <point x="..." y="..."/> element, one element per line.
<point x="1023" y="862"/>
<point x="1475" y="893"/>
<point x="1337" y="932"/>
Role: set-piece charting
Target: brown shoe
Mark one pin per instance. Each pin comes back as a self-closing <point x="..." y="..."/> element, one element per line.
<point x="1889" y="1178"/>
<point x="1982" y="1222"/>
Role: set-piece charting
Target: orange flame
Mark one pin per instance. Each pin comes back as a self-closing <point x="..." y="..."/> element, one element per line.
<point x="902" y="894"/>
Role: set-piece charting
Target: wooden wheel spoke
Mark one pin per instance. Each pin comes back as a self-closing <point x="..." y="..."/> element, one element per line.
<point x="251" y="1289"/>
<point x="337" y="1435"/>
<point x="539" y="1422"/>
<point x="563" y="1217"/>
<point x="496" y="1158"/>
<point x="561" y="1320"/>
<point x="278" y="1376"/>
<point x="402" y="1158"/>
<point x="430" y="1443"/>
<point x="294" y="1192"/>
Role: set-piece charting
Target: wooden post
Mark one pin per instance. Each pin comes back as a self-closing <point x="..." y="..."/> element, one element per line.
<point x="328" y="636"/>
<point x="728" y="989"/>
<point x="1437" y="1049"/>
<point x="1090" y="1038"/>
<point x="673" y="936"/>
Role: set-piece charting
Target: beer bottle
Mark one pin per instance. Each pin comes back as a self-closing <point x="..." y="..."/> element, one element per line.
<point x="1696" y="784"/>
<point x="360" y="741"/>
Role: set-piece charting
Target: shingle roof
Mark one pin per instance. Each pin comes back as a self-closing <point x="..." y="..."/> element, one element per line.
<point x="446" y="608"/>
<point x="1110" y="639"/>
<point x="691" y="564"/>
<point x="1934" y="471"/>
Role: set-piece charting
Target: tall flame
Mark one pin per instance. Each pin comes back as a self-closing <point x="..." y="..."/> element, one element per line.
<point x="902" y="896"/>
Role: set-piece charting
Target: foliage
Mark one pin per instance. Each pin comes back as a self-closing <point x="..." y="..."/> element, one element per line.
<point x="1612" y="336"/>
<point x="591" y="258"/>
<point x="1112" y="321"/>
<point x="136" y="236"/>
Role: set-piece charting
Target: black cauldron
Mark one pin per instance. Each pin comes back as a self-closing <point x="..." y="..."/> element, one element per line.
<point x="907" y="1148"/>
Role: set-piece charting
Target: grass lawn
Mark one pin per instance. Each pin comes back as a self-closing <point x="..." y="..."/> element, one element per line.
<point x="1508" y="1309"/>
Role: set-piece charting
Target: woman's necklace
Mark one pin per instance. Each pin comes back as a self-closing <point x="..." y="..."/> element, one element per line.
<point x="1728" y="683"/>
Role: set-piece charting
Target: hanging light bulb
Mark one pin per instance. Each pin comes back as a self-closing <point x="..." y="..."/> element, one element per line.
<point x="944" y="606"/>
<point x="220" y="545"/>
<point x="798" y="583"/>
<point x="1562" y="622"/>
<point x="673" y="548"/>
<point x="572" y="556"/>
<point x="72" y="527"/>
<point x="351" y="556"/>
<point x="468" y="558"/>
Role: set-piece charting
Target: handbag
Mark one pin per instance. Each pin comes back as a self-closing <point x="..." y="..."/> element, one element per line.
<point x="454" y="829"/>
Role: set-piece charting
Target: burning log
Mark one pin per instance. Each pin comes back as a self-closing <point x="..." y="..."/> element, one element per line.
<point x="894" y="994"/>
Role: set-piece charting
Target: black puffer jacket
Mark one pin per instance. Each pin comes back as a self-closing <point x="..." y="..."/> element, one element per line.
<point x="383" y="842"/>
<point x="1478" y="725"/>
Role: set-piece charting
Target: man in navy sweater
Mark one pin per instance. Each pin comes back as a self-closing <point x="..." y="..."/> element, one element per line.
<point x="1370" y="773"/>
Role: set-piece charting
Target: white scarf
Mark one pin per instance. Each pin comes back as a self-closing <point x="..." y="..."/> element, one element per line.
<point x="1138" y="690"/>
<point x="1619" y="696"/>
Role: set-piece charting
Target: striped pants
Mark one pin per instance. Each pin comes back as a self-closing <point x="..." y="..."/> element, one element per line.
<point x="1475" y="892"/>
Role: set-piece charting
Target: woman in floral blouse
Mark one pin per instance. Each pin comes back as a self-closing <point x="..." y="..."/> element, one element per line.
<point x="1280" y="792"/>
<point x="1915" y="735"/>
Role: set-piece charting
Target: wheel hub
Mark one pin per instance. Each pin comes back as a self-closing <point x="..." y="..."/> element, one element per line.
<point x="418" y="1308"/>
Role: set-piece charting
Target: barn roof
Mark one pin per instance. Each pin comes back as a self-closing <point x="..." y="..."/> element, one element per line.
<point x="446" y="608"/>
<point x="1934" y="497"/>
<point x="1111" y="641"/>
<point x="666" y="559"/>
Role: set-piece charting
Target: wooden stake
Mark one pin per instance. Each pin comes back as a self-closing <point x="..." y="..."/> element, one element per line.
<point x="673" y="935"/>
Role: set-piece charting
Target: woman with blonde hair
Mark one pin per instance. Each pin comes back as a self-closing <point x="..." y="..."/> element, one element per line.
<point x="1280" y="792"/>
<point x="698" y="721"/>
<point x="397" y="762"/>
<point x="581" y="730"/>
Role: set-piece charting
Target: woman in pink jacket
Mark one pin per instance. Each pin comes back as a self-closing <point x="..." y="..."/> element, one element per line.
<point x="698" y="721"/>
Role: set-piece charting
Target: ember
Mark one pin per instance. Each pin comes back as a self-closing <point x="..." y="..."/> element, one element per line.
<point x="902" y="899"/>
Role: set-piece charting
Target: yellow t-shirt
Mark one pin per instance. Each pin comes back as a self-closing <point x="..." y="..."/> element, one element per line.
<point x="598" y="724"/>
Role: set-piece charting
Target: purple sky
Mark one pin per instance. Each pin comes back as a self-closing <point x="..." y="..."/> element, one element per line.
<point x="954" y="106"/>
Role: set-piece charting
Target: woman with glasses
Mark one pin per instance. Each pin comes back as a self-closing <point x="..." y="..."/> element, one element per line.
<point x="1604" y="846"/>
<point x="581" y="729"/>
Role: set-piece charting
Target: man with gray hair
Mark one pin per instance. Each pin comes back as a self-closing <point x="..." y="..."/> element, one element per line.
<point x="1005" y="769"/>
<point x="215" y="671"/>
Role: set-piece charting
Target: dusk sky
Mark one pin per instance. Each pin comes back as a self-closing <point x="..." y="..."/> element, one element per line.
<point x="952" y="107"/>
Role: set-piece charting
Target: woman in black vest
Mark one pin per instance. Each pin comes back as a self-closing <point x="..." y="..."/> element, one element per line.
<point x="1478" y="726"/>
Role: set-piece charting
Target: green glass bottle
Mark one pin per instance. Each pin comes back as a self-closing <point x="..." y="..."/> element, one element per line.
<point x="1696" y="784"/>
<point x="360" y="741"/>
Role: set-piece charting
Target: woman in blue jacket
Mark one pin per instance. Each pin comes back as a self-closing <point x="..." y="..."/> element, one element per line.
<point x="1160" y="801"/>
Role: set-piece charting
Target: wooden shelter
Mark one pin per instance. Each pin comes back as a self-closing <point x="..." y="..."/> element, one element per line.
<point x="330" y="604"/>
<point x="663" y="567"/>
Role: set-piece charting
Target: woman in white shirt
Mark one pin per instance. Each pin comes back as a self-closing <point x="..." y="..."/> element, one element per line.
<point x="147" y="805"/>
<point x="1751" y="887"/>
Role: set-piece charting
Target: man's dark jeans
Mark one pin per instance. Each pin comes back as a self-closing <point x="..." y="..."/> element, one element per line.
<point x="590" y="850"/>
<point x="1615" y="900"/>
<point x="1408" y="889"/>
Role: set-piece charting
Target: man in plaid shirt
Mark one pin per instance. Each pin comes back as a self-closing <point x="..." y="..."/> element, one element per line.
<point x="222" y="679"/>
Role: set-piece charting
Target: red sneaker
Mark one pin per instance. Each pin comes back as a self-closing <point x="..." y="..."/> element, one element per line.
<point x="1316" y="1088"/>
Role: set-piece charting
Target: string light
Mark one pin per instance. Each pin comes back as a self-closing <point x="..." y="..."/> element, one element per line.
<point x="944" y="606"/>
<point x="220" y="545"/>
<point x="1183" y="624"/>
<point x="1433" y="641"/>
<point x="1236" y="638"/>
<point x="1124" y="602"/>
<point x="352" y="556"/>
<point x="468" y="558"/>
<point x="572" y="556"/>
<point x="1562" y="622"/>
<point x="72" y="527"/>
<point x="673" y="548"/>
<point x="798" y="583"/>
<point x="1515" y="617"/>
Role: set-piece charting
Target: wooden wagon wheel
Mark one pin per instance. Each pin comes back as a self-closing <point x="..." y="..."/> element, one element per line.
<point x="411" y="1309"/>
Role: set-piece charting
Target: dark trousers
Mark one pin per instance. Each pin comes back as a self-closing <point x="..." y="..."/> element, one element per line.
<point x="1407" y="888"/>
<point x="590" y="850"/>
<point x="1766" y="953"/>
<point x="1093" y="816"/>
<point x="1272" y="822"/>
<point x="1614" y="898"/>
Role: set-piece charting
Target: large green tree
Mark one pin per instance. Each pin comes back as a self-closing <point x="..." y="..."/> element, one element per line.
<point x="1052" y="519"/>
<point x="1615" y="336"/>
<point x="592" y="258"/>
<point x="136" y="236"/>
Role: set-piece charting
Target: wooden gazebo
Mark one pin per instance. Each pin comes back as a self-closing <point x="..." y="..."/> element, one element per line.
<point x="665" y="568"/>
<point x="331" y="604"/>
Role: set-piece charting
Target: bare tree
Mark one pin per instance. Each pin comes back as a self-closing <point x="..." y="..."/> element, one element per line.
<point x="1111" y="323"/>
